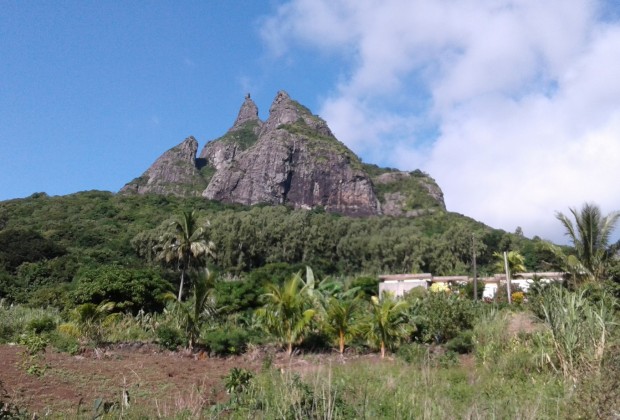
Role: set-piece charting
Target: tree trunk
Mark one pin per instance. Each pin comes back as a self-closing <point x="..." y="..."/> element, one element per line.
<point x="289" y="349"/>
<point x="341" y="341"/>
<point x="382" y="349"/>
<point x="181" y="287"/>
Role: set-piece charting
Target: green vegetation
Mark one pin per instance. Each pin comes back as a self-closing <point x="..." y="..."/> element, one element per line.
<point x="244" y="137"/>
<point x="187" y="245"/>
<point x="589" y="236"/>
<point x="324" y="146"/>
<point x="416" y="188"/>
<point x="287" y="311"/>
<point x="388" y="323"/>
<point x="94" y="269"/>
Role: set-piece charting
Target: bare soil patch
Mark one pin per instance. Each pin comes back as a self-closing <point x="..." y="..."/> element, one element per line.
<point x="523" y="323"/>
<point x="168" y="382"/>
<point x="162" y="382"/>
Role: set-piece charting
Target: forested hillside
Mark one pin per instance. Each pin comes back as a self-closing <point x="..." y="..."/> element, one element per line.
<point x="45" y="242"/>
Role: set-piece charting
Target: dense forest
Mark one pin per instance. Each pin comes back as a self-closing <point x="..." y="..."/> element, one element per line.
<point x="47" y="242"/>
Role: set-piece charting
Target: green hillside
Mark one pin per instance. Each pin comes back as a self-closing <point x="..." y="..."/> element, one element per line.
<point x="63" y="235"/>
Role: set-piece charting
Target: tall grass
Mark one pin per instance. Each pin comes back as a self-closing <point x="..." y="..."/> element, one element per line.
<point x="393" y="389"/>
<point x="580" y="330"/>
<point x="17" y="320"/>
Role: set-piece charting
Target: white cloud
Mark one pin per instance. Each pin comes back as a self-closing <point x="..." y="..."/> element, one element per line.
<point x="522" y="95"/>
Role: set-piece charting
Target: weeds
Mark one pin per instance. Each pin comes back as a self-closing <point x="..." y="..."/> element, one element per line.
<point x="579" y="330"/>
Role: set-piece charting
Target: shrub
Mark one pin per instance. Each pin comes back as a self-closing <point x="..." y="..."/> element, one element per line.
<point x="226" y="340"/>
<point x="55" y="296"/>
<point x="517" y="297"/>
<point x="463" y="342"/>
<point x="41" y="325"/>
<point x="237" y="380"/>
<point x="169" y="337"/>
<point x="64" y="342"/>
<point x="439" y="287"/>
<point x="238" y="295"/>
<point x="467" y="290"/>
<point x="413" y="353"/>
<point x="131" y="289"/>
<point x="442" y="316"/>
<point x="276" y="273"/>
<point x="69" y="329"/>
<point x="16" y="319"/>
<point x="369" y="286"/>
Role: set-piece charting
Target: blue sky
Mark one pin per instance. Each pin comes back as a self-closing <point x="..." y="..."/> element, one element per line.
<point x="93" y="92"/>
<point x="513" y="106"/>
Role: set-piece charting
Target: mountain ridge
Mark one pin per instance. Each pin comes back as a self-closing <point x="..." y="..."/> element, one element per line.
<point x="291" y="158"/>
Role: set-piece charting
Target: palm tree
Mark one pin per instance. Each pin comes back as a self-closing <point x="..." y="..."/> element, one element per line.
<point x="341" y="319"/>
<point x="187" y="245"/>
<point x="516" y="262"/>
<point x="287" y="311"/>
<point x="388" y="322"/>
<point x="196" y="310"/>
<point x="589" y="235"/>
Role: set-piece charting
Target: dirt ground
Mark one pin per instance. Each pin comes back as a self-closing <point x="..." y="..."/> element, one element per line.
<point x="167" y="382"/>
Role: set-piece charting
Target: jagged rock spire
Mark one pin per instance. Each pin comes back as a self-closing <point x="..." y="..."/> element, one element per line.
<point x="247" y="113"/>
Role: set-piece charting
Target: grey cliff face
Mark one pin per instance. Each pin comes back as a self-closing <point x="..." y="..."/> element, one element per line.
<point x="408" y="194"/>
<point x="173" y="173"/>
<point x="297" y="161"/>
<point x="291" y="158"/>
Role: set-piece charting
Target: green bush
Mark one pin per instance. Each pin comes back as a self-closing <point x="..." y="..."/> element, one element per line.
<point x="41" y="325"/>
<point x="238" y="295"/>
<point x="414" y="353"/>
<point x="442" y="316"/>
<point x="170" y="337"/>
<point x="53" y="295"/>
<point x="276" y="273"/>
<point x="226" y="340"/>
<point x="64" y="343"/>
<point x="35" y="344"/>
<point x="16" y="320"/>
<point x="467" y="290"/>
<point x="369" y="286"/>
<point x="130" y="289"/>
<point x="463" y="342"/>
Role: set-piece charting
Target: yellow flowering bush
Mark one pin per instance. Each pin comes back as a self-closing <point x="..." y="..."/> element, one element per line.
<point x="517" y="297"/>
<point x="439" y="287"/>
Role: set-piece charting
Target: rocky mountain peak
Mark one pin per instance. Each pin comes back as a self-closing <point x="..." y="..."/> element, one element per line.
<point x="184" y="151"/>
<point x="292" y="158"/>
<point x="285" y="112"/>
<point x="247" y="114"/>
<point x="175" y="172"/>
